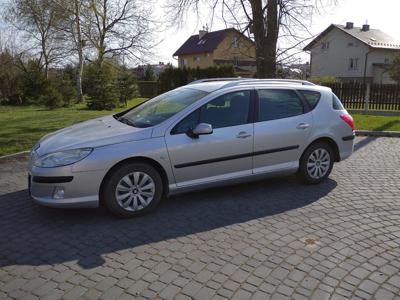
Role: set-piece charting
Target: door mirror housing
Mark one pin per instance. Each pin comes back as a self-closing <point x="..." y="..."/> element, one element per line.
<point x="200" y="129"/>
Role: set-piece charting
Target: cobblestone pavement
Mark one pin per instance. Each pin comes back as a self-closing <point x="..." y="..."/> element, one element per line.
<point x="270" y="239"/>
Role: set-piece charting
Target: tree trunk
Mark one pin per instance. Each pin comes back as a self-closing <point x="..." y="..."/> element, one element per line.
<point x="80" y="52"/>
<point x="271" y="39"/>
<point x="259" y="36"/>
<point x="46" y="61"/>
<point x="79" y="92"/>
<point x="265" y="37"/>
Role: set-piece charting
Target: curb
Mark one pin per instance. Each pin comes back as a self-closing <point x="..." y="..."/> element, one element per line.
<point x="14" y="155"/>
<point x="378" y="133"/>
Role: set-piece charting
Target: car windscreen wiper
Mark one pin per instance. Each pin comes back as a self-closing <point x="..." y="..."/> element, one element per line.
<point x="126" y="121"/>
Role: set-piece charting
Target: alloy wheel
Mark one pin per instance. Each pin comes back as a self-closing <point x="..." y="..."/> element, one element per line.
<point x="318" y="163"/>
<point x="135" y="191"/>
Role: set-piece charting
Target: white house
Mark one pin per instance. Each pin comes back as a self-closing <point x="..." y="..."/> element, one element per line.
<point x="353" y="53"/>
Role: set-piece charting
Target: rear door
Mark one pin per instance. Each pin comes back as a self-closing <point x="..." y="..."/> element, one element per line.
<point x="224" y="154"/>
<point x="283" y="125"/>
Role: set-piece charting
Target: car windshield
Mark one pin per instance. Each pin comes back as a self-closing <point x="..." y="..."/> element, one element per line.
<point x="162" y="107"/>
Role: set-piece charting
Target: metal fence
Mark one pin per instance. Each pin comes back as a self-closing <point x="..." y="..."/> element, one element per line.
<point x="355" y="95"/>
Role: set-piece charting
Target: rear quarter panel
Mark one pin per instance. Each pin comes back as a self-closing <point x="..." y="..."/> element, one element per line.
<point x="327" y="123"/>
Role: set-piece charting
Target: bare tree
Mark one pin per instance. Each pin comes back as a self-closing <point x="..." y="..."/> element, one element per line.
<point x="73" y="41"/>
<point x="79" y="46"/>
<point x="119" y="28"/>
<point x="267" y="22"/>
<point x="38" y="19"/>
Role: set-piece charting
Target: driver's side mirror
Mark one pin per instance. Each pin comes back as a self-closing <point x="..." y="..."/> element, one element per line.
<point x="200" y="129"/>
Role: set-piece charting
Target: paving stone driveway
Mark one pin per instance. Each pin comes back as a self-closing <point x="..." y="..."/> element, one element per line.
<point x="275" y="238"/>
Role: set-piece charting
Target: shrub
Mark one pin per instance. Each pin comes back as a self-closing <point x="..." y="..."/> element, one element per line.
<point x="127" y="86"/>
<point x="10" y="80"/>
<point x="51" y="97"/>
<point x="33" y="83"/>
<point x="148" y="89"/>
<point x="148" y="74"/>
<point x="172" y="78"/>
<point x="324" y="80"/>
<point x="67" y="90"/>
<point x="100" y="83"/>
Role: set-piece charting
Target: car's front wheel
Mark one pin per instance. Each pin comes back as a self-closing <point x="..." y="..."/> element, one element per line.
<point x="132" y="190"/>
<point x="316" y="163"/>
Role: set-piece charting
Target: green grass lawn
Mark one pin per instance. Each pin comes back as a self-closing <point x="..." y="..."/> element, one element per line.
<point x="22" y="127"/>
<point x="378" y="123"/>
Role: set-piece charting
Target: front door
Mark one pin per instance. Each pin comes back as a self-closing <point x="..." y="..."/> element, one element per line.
<point x="281" y="130"/>
<point x="224" y="154"/>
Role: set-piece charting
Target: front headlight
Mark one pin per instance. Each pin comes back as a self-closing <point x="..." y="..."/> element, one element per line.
<point x="62" y="158"/>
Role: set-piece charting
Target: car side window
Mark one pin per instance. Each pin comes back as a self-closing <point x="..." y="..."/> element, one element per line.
<point x="227" y="110"/>
<point x="336" y="103"/>
<point x="189" y="122"/>
<point x="312" y="97"/>
<point x="278" y="104"/>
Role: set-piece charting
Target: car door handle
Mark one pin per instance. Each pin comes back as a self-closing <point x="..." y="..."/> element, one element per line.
<point x="303" y="126"/>
<point x="243" y="135"/>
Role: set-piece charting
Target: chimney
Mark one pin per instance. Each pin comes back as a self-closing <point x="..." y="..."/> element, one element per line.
<point x="202" y="33"/>
<point x="349" y="25"/>
<point x="365" y="27"/>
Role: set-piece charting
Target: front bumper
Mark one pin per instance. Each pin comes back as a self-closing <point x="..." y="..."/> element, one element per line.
<point x="82" y="202"/>
<point x="80" y="189"/>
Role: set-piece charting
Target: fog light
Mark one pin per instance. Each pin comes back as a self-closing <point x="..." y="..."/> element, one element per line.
<point x="58" y="192"/>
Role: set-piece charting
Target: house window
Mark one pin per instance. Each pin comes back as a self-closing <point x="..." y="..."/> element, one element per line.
<point x="325" y="45"/>
<point x="353" y="63"/>
<point x="196" y="58"/>
<point x="350" y="44"/>
<point x="235" y="60"/>
<point x="387" y="60"/>
<point x="182" y="62"/>
<point x="235" y="42"/>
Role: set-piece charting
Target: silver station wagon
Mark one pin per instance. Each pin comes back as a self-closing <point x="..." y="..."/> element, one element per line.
<point x="208" y="133"/>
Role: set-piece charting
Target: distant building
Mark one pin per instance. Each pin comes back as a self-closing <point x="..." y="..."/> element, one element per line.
<point x="353" y="53"/>
<point x="227" y="46"/>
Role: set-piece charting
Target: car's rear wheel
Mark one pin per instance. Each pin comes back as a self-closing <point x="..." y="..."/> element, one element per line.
<point x="132" y="190"/>
<point x="316" y="163"/>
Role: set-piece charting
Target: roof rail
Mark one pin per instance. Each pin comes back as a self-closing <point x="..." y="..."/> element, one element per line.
<point x="217" y="79"/>
<point x="240" y="80"/>
<point x="270" y="81"/>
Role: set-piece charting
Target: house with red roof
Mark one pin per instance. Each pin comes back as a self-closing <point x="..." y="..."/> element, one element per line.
<point x="227" y="46"/>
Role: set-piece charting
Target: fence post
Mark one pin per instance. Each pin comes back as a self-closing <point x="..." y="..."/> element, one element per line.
<point x="367" y="96"/>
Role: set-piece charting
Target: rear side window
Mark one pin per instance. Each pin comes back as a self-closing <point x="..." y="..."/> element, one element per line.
<point x="336" y="103"/>
<point x="312" y="97"/>
<point x="278" y="104"/>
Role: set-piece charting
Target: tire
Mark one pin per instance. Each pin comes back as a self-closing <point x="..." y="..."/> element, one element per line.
<point x="316" y="163"/>
<point x="132" y="190"/>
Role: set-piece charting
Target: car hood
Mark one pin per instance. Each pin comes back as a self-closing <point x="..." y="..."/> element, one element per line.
<point x="93" y="133"/>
